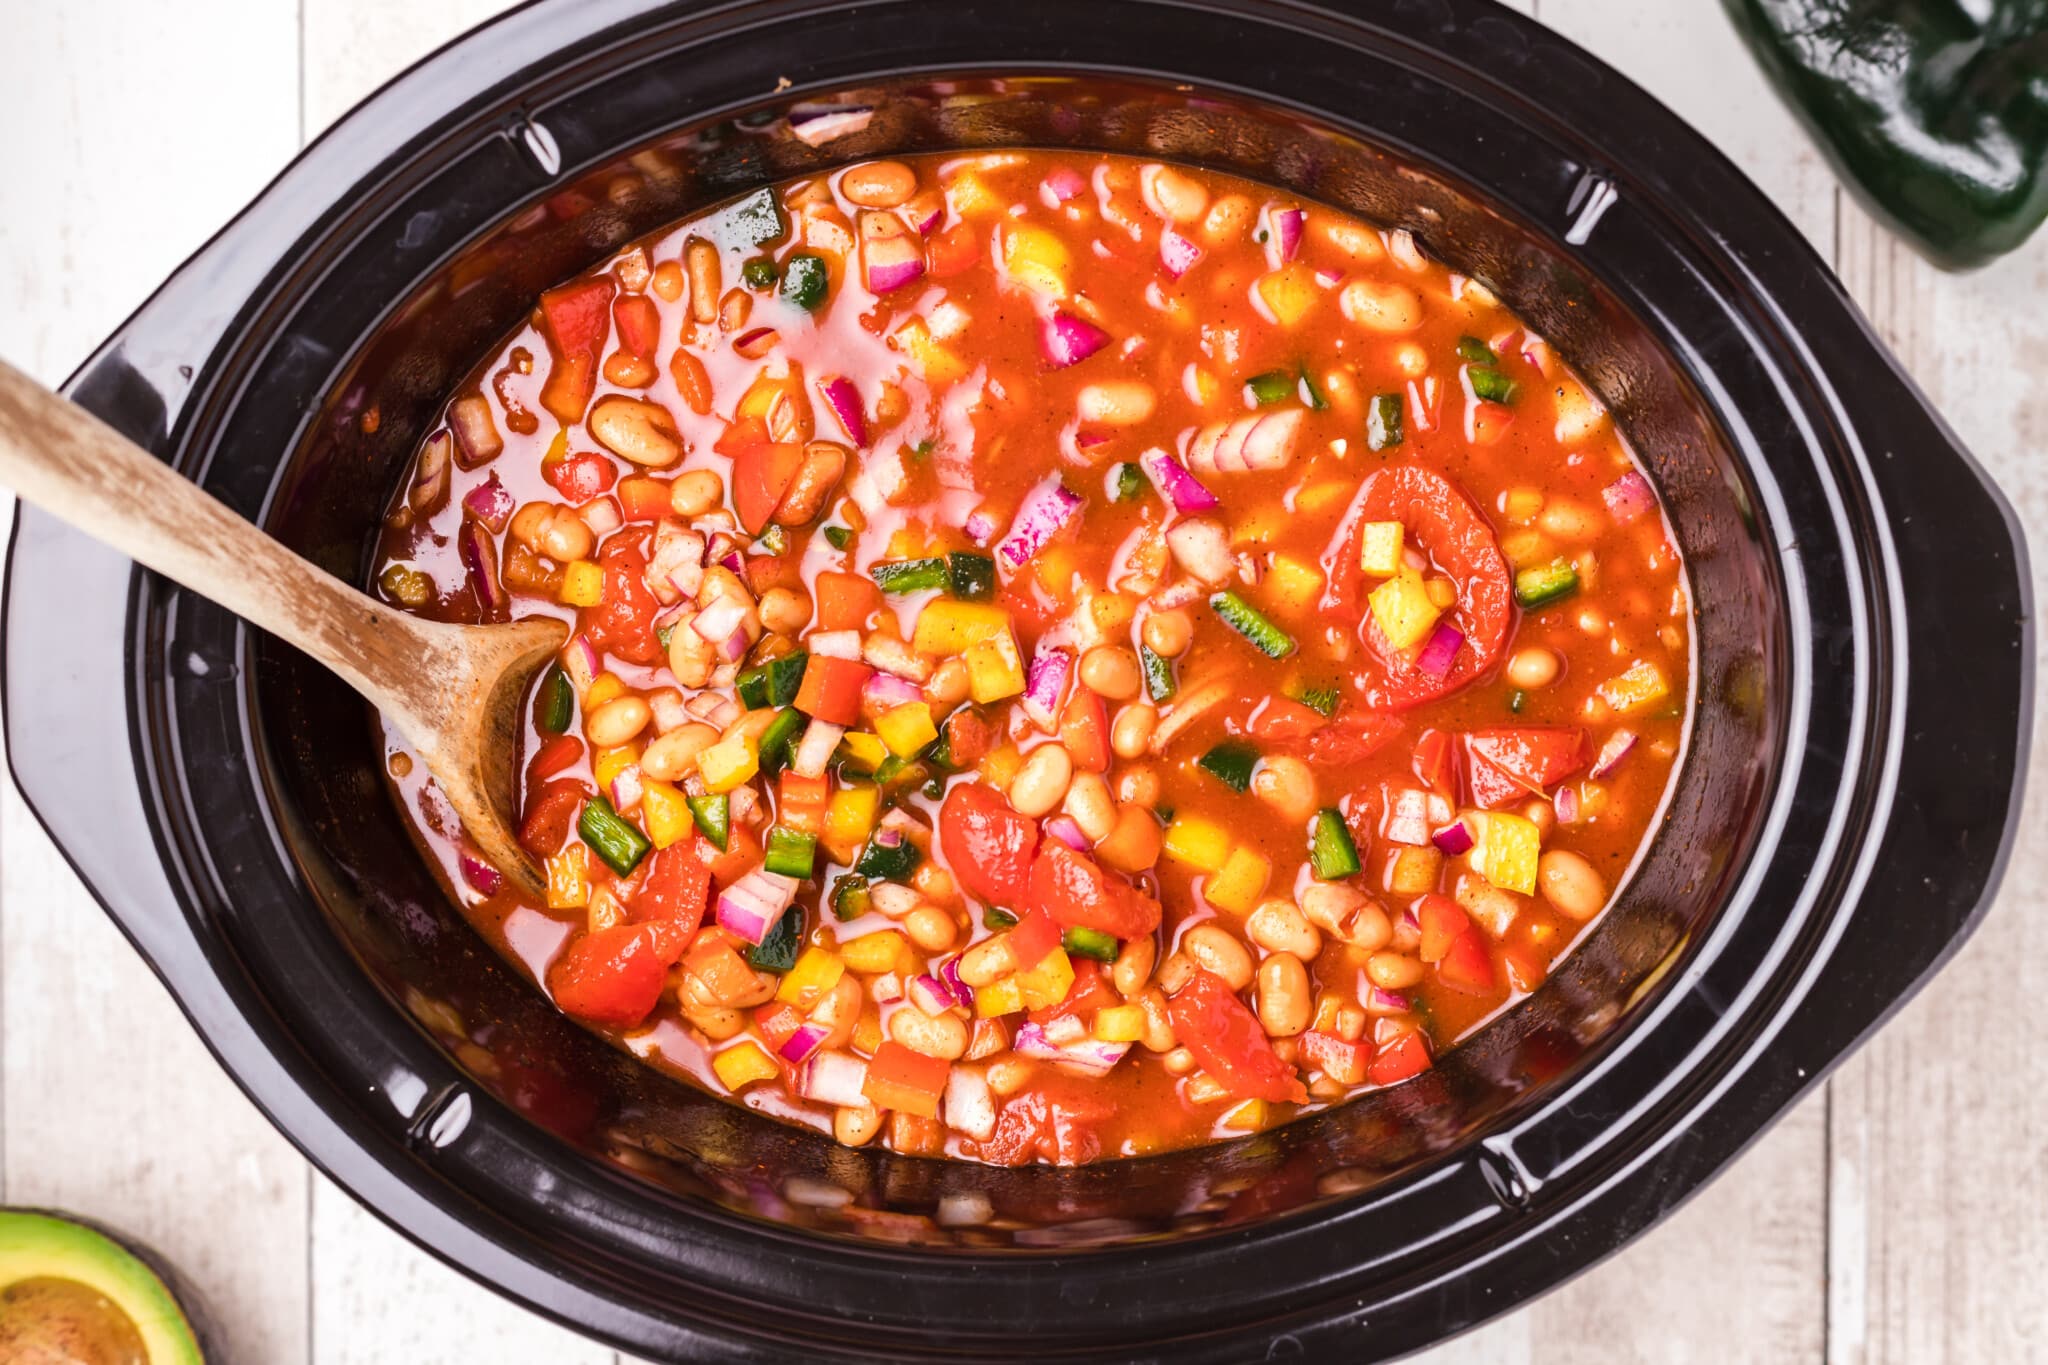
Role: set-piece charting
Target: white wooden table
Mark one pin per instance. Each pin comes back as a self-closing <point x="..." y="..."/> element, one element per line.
<point x="1900" y="1216"/>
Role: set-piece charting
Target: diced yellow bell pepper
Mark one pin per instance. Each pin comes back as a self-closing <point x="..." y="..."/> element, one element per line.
<point x="1111" y="612"/>
<point x="1036" y="259"/>
<point x="1288" y="293"/>
<point x="818" y="970"/>
<point x="999" y="768"/>
<point x="744" y="1062"/>
<point x="1402" y="609"/>
<point x="1197" y="842"/>
<point x="999" y="998"/>
<point x="946" y="627"/>
<point x="1506" y="850"/>
<point x="1522" y="505"/>
<point x="1048" y="982"/>
<point x="1248" y="1117"/>
<point x="582" y="584"/>
<point x="849" y="818"/>
<point x="995" y="669"/>
<point x="1238" y="884"/>
<point x="770" y="391"/>
<point x="728" y="763"/>
<point x="1639" y="686"/>
<point x="1292" y="586"/>
<point x="603" y="688"/>
<point x="1326" y="1013"/>
<point x="1442" y="593"/>
<point x="665" y="811"/>
<point x="605" y="909"/>
<point x="1414" y="871"/>
<point x="875" y="953"/>
<point x="609" y="763"/>
<point x="1379" y="548"/>
<point x="907" y="728"/>
<point x="867" y="1031"/>
<point x="558" y="451"/>
<point x="864" y="748"/>
<point x="569" y="879"/>
<point x="935" y="363"/>
<point x="1201" y="387"/>
<point x="1120" y="1023"/>
<point x="969" y="196"/>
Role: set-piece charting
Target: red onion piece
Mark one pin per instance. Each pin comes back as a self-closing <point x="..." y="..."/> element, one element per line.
<point x="814" y="751"/>
<point x="799" y="1046"/>
<point x="844" y="400"/>
<point x="1171" y="477"/>
<point x="930" y="994"/>
<point x="1046" y="509"/>
<point x="969" y="1107"/>
<point x="1566" y="802"/>
<point x="1067" y="831"/>
<point x="885" y="691"/>
<point x="476" y="435"/>
<point x="1441" y="651"/>
<point x="490" y="503"/>
<point x="980" y="526"/>
<point x="480" y="875"/>
<point x="925" y="212"/>
<point x="719" y="619"/>
<point x="1064" y="339"/>
<point x="627" y="788"/>
<point x="602" y="516"/>
<point x="1629" y="498"/>
<point x="480" y="559"/>
<point x="1380" y="1001"/>
<point x="815" y="127"/>
<point x="1407" y="819"/>
<point x="580" y="662"/>
<point x="889" y="256"/>
<point x="835" y="1078"/>
<point x="751" y="906"/>
<point x="1454" y="838"/>
<point x="1045" y="682"/>
<point x="949" y="972"/>
<point x="1283" y="234"/>
<point x="1089" y="1056"/>
<point x="1177" y="253"/>
<point x="1061" y="184"/>
<point x="1619" y="746"/>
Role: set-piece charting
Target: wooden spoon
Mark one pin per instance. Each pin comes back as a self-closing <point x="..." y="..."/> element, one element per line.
<point x="453" y="691"/>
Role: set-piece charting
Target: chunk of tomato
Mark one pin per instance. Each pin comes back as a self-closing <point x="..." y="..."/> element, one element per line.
<point x="1467" y="965"/>
<point x="1084" y="731"/>
<point x="1509" y="762"/>
<point x="761" y="473"/>
<point x="987" y="844"/>
<point x="550" y="809"/>
<point x="1442" y="520"/>
<point x="1280" y="720"/>
<point x="1227" y="1042"/>
<point x="614" y="976"/>
<point x="678" y="885"/>
<point x="1075" y="890"/>
<point x="1397" y="1061"/>
<point x="1443" y="922"/>
<point x="582" y="477"/>
<point x="1354" y="736"/>
<point x="1035" y="1125"/>
<point x="623" y="622"/>
<point x="576" y="318"/>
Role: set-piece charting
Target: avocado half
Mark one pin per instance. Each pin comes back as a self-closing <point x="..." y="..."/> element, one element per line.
<point x="72" y="1294"/>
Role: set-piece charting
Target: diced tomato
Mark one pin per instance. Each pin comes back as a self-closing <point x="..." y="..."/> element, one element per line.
<point x="1467" y="965"/>
<point x="614" y="976"/>
<point x="774" y="571"/>
<point x="987" y="844"/>
<point x="576" y="319"/>
<point x="831" y="688"/>
<point x="846" y="601"/>
<point x="678" y="885"/>
<point x="778" y="1022"/>
<point x="1075" y="890"/>
<point x="742" y="855"/>
<point x="761" y="474"/>
<point x="1084" y="731"/>
<point x="623" y="622"/>
<point x="1227" y="1042"/>
<point x="1443" y="922"/>
<point x="1038" y="1126"/>
<point x="1432" y="763"/>
<point x="969" y="737"/>
<point x="715" y="962"/>
<point x="1490" y="422"/>
<point x="582" y="477"/>
<point x="1279" y="719"/>
<point x="1354" y="736"/>
<point x="639" y="324"/>
<point x="1444" y="521"/>
<point x="1341" y="1059"/>
<point x="1406" y="1056"/>
<point x="954" y="250"/>
<point x="1032" y="937"/>
<point x="1511" y="762"/>
<point x="550" y="810"/>
<point x="903" y="1079"/>
<point x="1090" y="992"/>
<point x="554" y="756"/>
<point x="644" y="499"/>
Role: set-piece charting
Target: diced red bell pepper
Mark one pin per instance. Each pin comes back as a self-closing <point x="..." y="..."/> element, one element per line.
<point x="1227" y="1042"/>
<point x="614" y="976"/>
<point x="678" y="885"/>
<point x="846" y="601"/>
<point x="778" y="1022"/>
<point x="1075" y="890"/>
<point x="576" y="319"/>
<point x="1032" y="937"/>
<point x="1353" y="737"/>
<point x="987" y="844"/>
<point x="1084" y="731"/>
<point x="644" y="499"/>
<point x="1443" y="921"/>
<point x="723" y="971"/>
<point x="954" y="250"/>
<point x="639" y="324"/>
<point x="579" y="478"/>
<point x="1406" y="1056"/>
<point x="1510" y="763"/>
<point x="1467" y="965"/>
<point x="1341" y="1059"/>
<point x="905" y="1080"/>
<point x="557" y="754"/>
<point x="742" y="855"/>
<point x="831" y="689"/>
<point x="550" y="810"/>
<point x="761" y="473"/>
<point x="1490" y="422"/>
<point x="1433" y="763"/>
<point x="801" y="801"/>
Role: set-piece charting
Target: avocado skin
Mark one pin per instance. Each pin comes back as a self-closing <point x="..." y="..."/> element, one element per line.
<point x="53" y="1267"/>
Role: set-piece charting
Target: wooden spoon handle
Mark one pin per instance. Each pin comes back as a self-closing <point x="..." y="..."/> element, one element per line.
<point x="76" y="467"/>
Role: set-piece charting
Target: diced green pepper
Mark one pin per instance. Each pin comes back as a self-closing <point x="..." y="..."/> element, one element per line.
<point x="909" y="575"/>
<point x="1230" y="763"/>
<point x="1312" y="395"/>
<point x="756" y="220"/>
<point x="971" y="577"/>
<point x="779" y="740"/>
<point x="774" y="683"/>
<point x="804" y="281"/>
<point x="791" y="852"/>
<point x="1159" y="680"/>
<point x="777" y="952"/>
<point x="1517" y="700"/>
<point x="1274" y="386"/>
<point x="1543" y="584"/>
<point x="839" y="537"/>
<point x="1322" y="699"/>
<point x="1490" y="384"/>
<point x="758" y="273"/>
<point x="1127" y="482"/>
<point x="1383" y="422"/>
<point x="773" y="541"/>
<point x="995" y="917"/>
<point x="610" y="837"/>
<point x="888" y="862"/>
<point x="555" y="706"/>
<point x="1080" y="942"/>
<point x="1242" y="617"/>
<point x="1330" y="849"/>
<point x="713" y="815"/>
<point x="1473" y="351"/>
<point x="850" y="898"/>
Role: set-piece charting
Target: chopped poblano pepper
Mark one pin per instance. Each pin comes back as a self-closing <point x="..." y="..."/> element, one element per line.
<point x="804" y="281"/>
<point x="1543" y="584"/>
<point x="780" y="738"/>
<point x="557" y="701"/>
<point x="1159" y="682"/>
<point x="791" y="852"/>
<point x="1330" y="849"/>
<point x="774" y="683"/>
<point x="1126" y="483"/>
<point x="777" y="952"/>
<point x="971" y="577"/>
<point x="758" y="273"/>
<point x="1246" y="619"/>
<point x="850" y="897"/>
<point x="1230" y="763"/>
<point x="1517" y="701"/>
<point x="610" y="837"/>
<point x="773" y="541"/>
<point x="713" y="815"/>
<point x="1474" y="351"/>
<point x="756" y="219"/>
<point x="1311" y="394"/>
<point x="996" y="917"/>
<point x="1383" y="422"/>
<point x="1080" y="942"/>
<point x="839" y="537"/>
<point x="909" y="575"/>
<point x="1274" y="386"/>
<point x="1490" y="384"/>
<point x="888" y="862"/>
<point x="1323" y="699"/>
